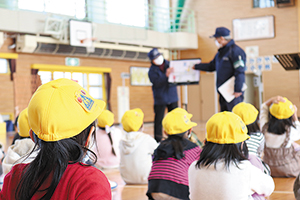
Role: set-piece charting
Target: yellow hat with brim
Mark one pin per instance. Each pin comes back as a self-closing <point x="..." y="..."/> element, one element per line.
<point x="106" y="118"/>
<point x="132" y="120"/>
<point x="282" y="110"/>
<point x="177" y="121"/>
<point x="226" y="128"/>
<point x="61" y="109"/>
<point x="23" y="124"/>
<point x="246" y="111"/>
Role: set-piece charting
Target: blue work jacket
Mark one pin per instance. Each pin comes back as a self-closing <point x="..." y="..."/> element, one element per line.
<point x="163" y="92"/>
<point x="229" y="61"/>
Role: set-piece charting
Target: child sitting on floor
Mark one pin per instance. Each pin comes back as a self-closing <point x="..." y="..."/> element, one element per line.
<point x="108" y="138"/>
<point x="280" y="125"/>
<point x="136" y="149"/>
<point x="256" y="143"/>
<point x="168" y="178"/>
<point x="17" y="152"/>
<point x="223" y="170"/>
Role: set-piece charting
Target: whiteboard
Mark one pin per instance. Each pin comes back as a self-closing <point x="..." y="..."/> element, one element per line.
<point x="253" y="28"/>
<point x="183" y="74"/>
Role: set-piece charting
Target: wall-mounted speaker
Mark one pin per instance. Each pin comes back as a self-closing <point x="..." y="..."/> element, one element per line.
<point x="285" y="3"/>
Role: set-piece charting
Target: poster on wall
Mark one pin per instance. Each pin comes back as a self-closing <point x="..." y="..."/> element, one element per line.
<point x="139" y="76"/>
<point x="253" y="28"/>
<point x="183" y="73"/>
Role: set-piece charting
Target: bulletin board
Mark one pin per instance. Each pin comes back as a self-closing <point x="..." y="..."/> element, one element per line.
<point x="139" y="76"/>
<point x="253" y="28"/>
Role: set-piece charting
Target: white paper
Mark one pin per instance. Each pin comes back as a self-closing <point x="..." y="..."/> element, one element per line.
<point x="183" y="72"/>
<point x="227" y="89"/>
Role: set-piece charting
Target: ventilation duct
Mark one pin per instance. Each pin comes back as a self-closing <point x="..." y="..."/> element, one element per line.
<point x="47" y="45"/>
<point x="61" y="49"/>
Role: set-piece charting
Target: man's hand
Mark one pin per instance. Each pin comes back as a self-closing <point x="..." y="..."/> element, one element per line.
<point x="169" y="71"/>
<point x="237" y="94"/>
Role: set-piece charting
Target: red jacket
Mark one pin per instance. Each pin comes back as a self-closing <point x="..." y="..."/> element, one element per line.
<point x="77" y="182"/>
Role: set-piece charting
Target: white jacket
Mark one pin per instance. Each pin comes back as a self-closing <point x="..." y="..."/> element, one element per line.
<point x="16" y="154"/>
<point x="136" y="149"/>
<point x="234" y="183"/>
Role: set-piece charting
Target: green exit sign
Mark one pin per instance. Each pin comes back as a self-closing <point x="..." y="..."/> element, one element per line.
<point x="72" y="61"/>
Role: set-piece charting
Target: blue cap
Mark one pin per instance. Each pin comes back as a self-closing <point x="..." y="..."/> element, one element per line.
<point x="221" y="31"/>
<point x="153" y="54"/>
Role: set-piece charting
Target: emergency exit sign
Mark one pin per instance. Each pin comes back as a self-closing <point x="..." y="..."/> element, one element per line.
<point x="72" y="61"/>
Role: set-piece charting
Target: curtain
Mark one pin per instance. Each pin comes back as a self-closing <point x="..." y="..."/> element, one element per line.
<point x="108" y="88"/>
<point x="12" y="67"/>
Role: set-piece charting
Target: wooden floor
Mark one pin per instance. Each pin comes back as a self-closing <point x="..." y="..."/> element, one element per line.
<point x="283" y="186"/>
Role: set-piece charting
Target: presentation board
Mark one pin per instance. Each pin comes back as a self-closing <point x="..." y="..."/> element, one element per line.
<point x="183" y="73"/>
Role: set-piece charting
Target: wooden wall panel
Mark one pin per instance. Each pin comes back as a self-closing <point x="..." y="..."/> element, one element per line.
<point x="22" y="90"/>
<point x="6" y="94"/>
<point x="214" y="13"/>
<point x="282" y="82"/>
<point x="140" y="97"/>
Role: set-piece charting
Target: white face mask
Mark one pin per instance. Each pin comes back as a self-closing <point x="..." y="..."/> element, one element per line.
<point x="218" y="44"/>
<point x="159" y="60"/>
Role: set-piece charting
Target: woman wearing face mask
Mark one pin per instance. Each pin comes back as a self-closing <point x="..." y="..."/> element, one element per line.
<point x="165" y="95"/>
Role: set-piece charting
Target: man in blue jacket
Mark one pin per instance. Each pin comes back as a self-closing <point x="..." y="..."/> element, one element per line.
<point x="229" y="61"/>
<point x="164" y="94"/>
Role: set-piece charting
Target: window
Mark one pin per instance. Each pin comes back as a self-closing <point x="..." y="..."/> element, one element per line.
<point x="263" y="3"/>
<point x="91" y="82"/>
<point x="74" y="8"/>
<point x="4" y="68"/>
<point x="160" y="19"/>
<point x="129" y="12"/>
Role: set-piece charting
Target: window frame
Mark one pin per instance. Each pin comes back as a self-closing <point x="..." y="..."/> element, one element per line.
<point x="80" y="69"/>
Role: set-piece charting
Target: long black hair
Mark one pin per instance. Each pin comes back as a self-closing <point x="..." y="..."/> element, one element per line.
<point x="173" y="146"/>
<point x="213" y="152"/>
<point x="52" y="160"/>
<point x="279" y="126"/>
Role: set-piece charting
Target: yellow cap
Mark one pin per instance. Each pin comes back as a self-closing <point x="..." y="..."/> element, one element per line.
<point x="23" y="124"/>
<point x="61" y="109"/>
<point x="282" y="110"/>
<point x="106" y="118"/>
<point x="246" y="111"/>
<point x="177" y="121"/>
<point x="226" y="128"/>
<point x="132" y="120"/>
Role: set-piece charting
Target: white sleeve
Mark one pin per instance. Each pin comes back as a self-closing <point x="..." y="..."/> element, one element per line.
<point x="152" y="144"/>
<point x="263" y="115"/>
<point x="295" y="132"/>
<point x="260" y="182"/>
